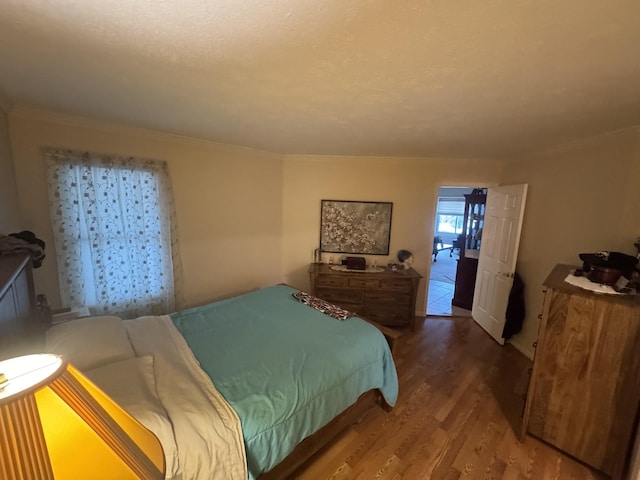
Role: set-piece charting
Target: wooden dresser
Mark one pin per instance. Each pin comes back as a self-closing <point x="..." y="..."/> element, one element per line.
<point x="18" y="317"/>
<point x="386" y="297"/>
<point x="584" y="390"/>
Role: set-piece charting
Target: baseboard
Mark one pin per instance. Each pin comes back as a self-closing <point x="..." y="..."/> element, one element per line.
<point x="527" y="351"/>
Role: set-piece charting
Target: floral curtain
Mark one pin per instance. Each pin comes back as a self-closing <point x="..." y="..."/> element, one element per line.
<point x="114" y="232"/>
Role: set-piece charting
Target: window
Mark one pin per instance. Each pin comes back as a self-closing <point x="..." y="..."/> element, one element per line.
<point x="450" y="215"/>
<point x="450" y="224"/>
<point x="113" y="226"/>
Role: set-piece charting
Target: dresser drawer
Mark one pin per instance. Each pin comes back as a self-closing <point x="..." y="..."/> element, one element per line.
<point x="355" y="282"/>
<point x="388" y="315"/>
<point x="396" y="284"/>
<point x="332" y="281"/>
<point x="386" y="297"/>
<point x="395" y="297"/>
<point x="340" y="296"/>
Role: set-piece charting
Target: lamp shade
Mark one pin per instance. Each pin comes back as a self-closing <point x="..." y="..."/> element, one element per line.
<point x="54" y="423"/>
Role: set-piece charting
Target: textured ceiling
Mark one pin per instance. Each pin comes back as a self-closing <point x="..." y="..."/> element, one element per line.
<point x="490" y="78"/>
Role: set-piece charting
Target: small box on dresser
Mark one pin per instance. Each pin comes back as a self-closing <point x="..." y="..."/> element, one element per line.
<point x="387" y="297"/>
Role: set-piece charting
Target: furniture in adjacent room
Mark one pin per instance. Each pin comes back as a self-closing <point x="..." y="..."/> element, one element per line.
<point x="18" y="315"/>
<point x="584" y="390"/>
<point x="467" y="267"/>
<point x="439" y="246"/>
<point x="387" y="297"/>
<point x="457" y="243"/>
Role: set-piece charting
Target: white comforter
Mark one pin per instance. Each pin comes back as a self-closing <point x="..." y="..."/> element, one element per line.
<point x="207" y="430"/>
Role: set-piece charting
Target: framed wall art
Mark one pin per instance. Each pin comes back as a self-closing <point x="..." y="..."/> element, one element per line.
<point x="355" y="227"/>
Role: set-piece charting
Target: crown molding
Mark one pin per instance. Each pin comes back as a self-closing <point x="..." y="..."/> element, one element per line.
<point x="105" y="126"/>
<point x="584" y="142"/>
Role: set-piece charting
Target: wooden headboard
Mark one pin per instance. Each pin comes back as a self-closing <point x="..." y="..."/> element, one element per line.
<point x="20" y="330"/>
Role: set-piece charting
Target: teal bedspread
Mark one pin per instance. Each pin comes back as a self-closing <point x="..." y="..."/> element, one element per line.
<point x="284" y="367"/>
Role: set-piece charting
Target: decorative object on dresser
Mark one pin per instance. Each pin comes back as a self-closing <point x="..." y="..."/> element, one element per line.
<point x="354" y="263"/>
<point x="607" y="267"/>
<point x="584" y="390"/>
<point x="467" y="268"/>
<point x="386" y="297"/>
<point x="355" y="227"/>
<point x="406" y="258"/>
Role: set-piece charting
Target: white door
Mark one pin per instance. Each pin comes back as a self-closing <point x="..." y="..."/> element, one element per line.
<point x="498" y="254"/>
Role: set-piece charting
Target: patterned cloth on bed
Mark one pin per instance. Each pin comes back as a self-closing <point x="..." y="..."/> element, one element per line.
<point x="285" y="368"/>
<point x="323" y="306"/>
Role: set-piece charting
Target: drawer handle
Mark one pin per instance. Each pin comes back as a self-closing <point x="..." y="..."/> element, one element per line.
<point x="535" y="344"/>
<point x="530" y="371"/>
<point x="539" y="316"/>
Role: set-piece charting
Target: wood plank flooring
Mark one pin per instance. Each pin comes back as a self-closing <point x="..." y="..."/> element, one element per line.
<point x="458" y="416"/>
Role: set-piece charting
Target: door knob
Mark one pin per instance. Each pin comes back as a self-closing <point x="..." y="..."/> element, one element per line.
<point x="506" y="274"/>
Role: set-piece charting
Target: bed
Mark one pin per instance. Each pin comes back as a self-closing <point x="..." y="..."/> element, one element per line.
<point x="248" y="387"/>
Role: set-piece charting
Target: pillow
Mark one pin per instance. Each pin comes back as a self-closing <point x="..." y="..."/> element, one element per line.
<point x="131" y="384"/>
<point x="90" y="342"/>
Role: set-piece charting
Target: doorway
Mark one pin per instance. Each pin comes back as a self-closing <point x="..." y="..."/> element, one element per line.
<point x="448" y="226"/>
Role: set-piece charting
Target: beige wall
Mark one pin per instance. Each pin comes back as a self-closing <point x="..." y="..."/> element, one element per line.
<point x="248" y="218"/>
<point x="411" y="184"/>
<point x="583" y="197"/>
<point x="228" y="199"/>
<point x="9" y="211"/>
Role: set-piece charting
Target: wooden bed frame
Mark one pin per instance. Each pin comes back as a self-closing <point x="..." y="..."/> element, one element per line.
<point x="22" y="329"/>
<point x="323" y="437"/>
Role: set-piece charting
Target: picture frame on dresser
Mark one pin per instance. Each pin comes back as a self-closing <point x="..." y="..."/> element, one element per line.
<point x="355" y="227"/>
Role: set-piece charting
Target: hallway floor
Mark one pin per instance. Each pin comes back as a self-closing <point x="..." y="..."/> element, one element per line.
<point x="441" y="286"/>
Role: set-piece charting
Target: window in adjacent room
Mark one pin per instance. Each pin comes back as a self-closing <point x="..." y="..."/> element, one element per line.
<point x="450" y="215"/>
<point x="114" y="232"/>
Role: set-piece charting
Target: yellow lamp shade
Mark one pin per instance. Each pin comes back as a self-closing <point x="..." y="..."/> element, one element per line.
<point x="54" y="423"/>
